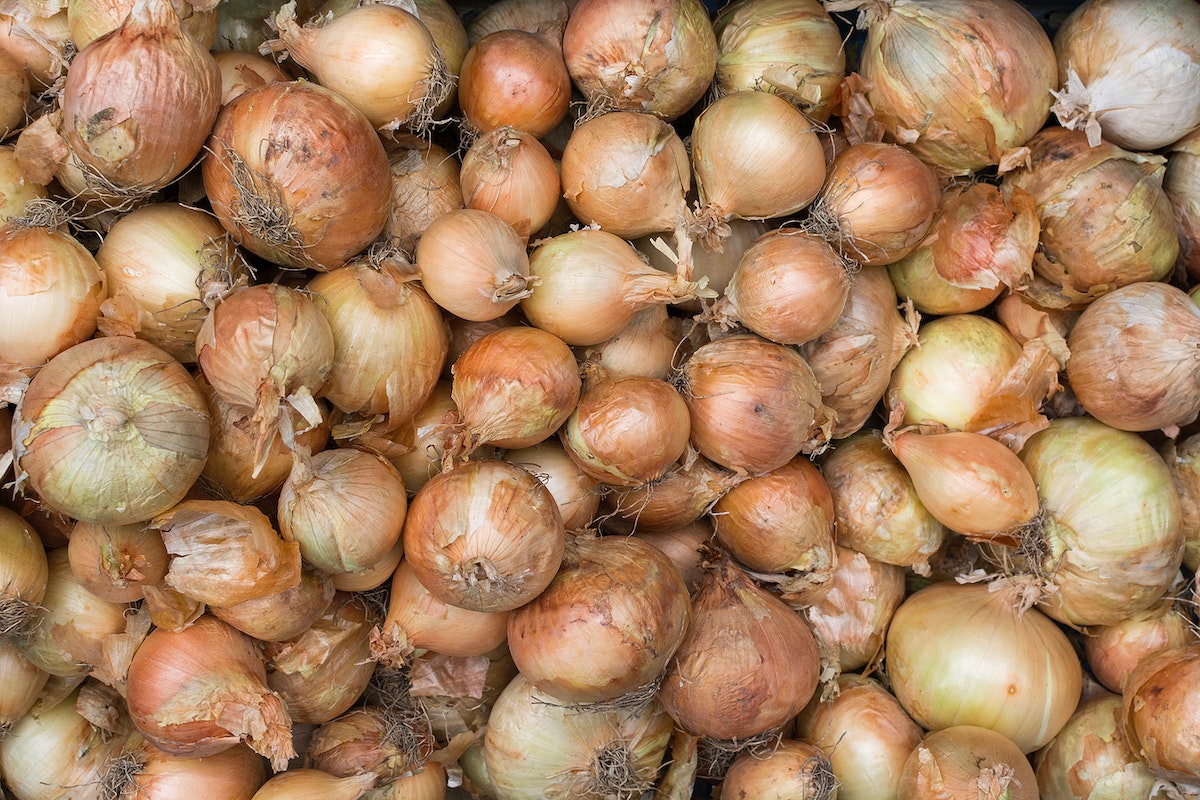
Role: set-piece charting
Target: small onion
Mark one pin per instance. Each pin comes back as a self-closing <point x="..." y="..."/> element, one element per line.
<point x="967" y="761"/>
<point x="708" y="262"/>
<point x="851" y="617"/>
<point x="113" y="562"/>
<point x="281" y="615"/>
<point x="792" y="768"/>
<point x="516" y="79"/>
<point x="747" y="664"/>
<point x="877" y="203"/>
<point x="1160" y="718"/>
<point x="23" y="574"/>
<point x="111" y="431"/>
<point x="576" y="493"/>
<point x="648" y="346"/>
<point x="680" y="497"/>
<point x="297" y="175"/>
<point x="384" y="742"/>
<point x="619" y="610"/>
<point x="1113" y="651"/>
<point x="484" y="535"/>
<point x="425" y="183"/>
<point x="242" y="71"/>
<point x="509" y="173"/>
<point x="657" y="57"/>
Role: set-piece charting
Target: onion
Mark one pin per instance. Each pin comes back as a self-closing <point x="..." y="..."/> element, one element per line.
<point x="1110" y="540"/>
<point x="509" y="173"/>
<point x="385" y="742"/>
<point x="242" y="71"/>
<point x="113" y="562"/>
<point x="647" y="346"/>
<point x="1181" y="182"/>
<point x="202" y="690"/>
<point x="379" y="57"/>
<point x="51" y="289"/>
<point x="17" y="189"/>
<point x="790" y="287"/>
<point x="262" y="346"/>
<point x="965" y="654"/>
<point x="164" y="263"/>
<point x="1160" y="719"/>
<point x="866" y="735"/>
<point x="680" y="497"/>
<point x="792" y="49"/>
<point x="854" y="359"/>
<point x="284" y="614"/>
<point x="39" y="39"/>
<point x="14" y="96"/>
<point x="514" y="387"/>
<point x="754" y="404"/>
<point x="143" y="772"/>
<point x="683" y="545"/>
<point x="1091" y="755"/>
<point x="313" y="784"/>
<point x="628" y="431"/>
<point x="737" y="145"/>
<point x="473" y="264"/>
<point x="535" y="746"/>
<point x="1183" y="462"/>
<point x="877" y="203"/>
<point x="457" y="694"/>
<point x="111" y="431"/>
<point x="22" y="681"/>
<point x="852" y="614"/>
<point x="618" y="609"/>
<point x="416" y="448"/>
<point x="592" y="282"/>
<point x="91" y="19"/>
<point x="430" y="783"/>
<point x="425" y="183"/>
<point x="23" y="574"/>
<point x="297" y="175"/>
<point x="1133" y="357"/>
<point x="516" y="79"/>
<point x="747" y="664"/>
<point x="464" y="333"/>
<point x="792" y="768"/>
<point x="1113" y="651"/>
<point x="389" y="340"/>
<point x="345" y="507"/>
<point x="547" y="18"/>
<point x="967" y="761"/>
<point x="576" y="493"/>
<point x="876" y="507"/>
<point x="959" y="86"/>
<point x="1127" y="72"/>
<point x="418" y="621"/>
<point x="657" y="57"/>
<point x="441" y="19"/>
<point x="484" y="535"/>
<point x="1106" y="221"/>
<point x="628" y="173"/>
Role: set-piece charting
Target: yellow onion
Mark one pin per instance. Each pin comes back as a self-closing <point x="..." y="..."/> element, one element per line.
<point x="755" y="404"/>
<point x="473" y="264"/>
<point x="111" y="431"/>
<point x="781" y="523"/>
<point x="425" y="183"/>
<point x="431" y="782"/>
<point x="305" y="783"/>
<point x="1111" y="542"/>
<point x="1160" y="719"/>
<point x="22" y="681"/>
<point x="792" y="49"/>
<point x="536" y="746"/>
<point x="971" y="483"/>
<point x="345" y="507"/>
<point x="1181" y="182"/>
<point x="164" y="263"/>
<point x="628" y="431"/>
<point x="592" y="282"/>
<point x="417" y="446"/>
<point x="792" y="768"/>
<point x="618" y="610"/>
<point x="514" y="387"/>
<point x="509" y="173"/>
<point x="14" y="96"/>
<point x="961" y="86"/>
<point x="281" y="615"/>
<point x="380" y="58"/>
<point x="441" y="19"/>
<point x="1183" y="462"/>
<point x="1113" y="651"/>
<point x="967" y="761"/>
<point x="647" y="346"/>
<point x="242" y="71"/>
<point x="17" y="188"/>
<point x="144" y="772"/>
<point x="516" y="79"/>
<point x="389" y="339"/>
<point x="851" y="617"/>
<point x="203" y="689"/>
<point x="297" y="175"/>
<point x="877" y="203"/>
<point x="1091" y="757"/>
<point x="418" y="621"/>
<point x="91" y="19"/>
<point x="23" y="574"/>
<point x="322" y="672"/>
<point x="1127" y="72"/>
<point x="876" y="507"/>
<point x="965" y="654"/>
<point x="51" y="289"/>
<point x="981" y="241"/>
<point x="1133" y="357"/>
<point x="657" y="57"/>
<point x="1106" y="221"/>
<point x="464" y="333"/>
<point x="38" y="38"/>
<point x="854" y="358"/>
<point x="866" y="735"/>
<point x="384" y="742"/>
<point x="547" y="18"/>
<point x="264" y="346"/>
<point x="484" y="535"/>
<point x="627" y="172"/>
<point x="747" y="664"/>
<point x="789" y="286"/>
<point x="113" y="562"/>
<point x="683" y="545"/>
<point x="681" y="496"/>
<point x="737" y="145"/>
<point x="576" y="493"/>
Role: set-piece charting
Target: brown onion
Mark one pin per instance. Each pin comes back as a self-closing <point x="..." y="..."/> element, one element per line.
<point x="1160" y="717"/>
<point x="967" y="761"/>
<point x="113" y="562"/>
<point x="852" y="614"/>
<point x="648" y="346"/>
<point x="576" y="493"/>
<point x="1181" y="182"/>
<point x="513" y="78"/>
<point x="382" y="742"/>
<point x="144" y="772"/>
<point x="281" y="615"/>
<point x="680" y="497"/>
<point x="1113" y="651"/>
<point x="792" y="768"/>
<point x="425" y="183"/>
<point x="484" y="535"/>
<point x="417" y="446"/>
<point x="509" y="173"/>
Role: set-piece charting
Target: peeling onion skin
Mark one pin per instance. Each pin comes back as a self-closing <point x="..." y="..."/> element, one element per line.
<point x="967" y="761"/>
<point x="1162" y="718"/>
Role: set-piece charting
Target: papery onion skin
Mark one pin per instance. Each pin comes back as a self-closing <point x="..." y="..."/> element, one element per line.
<point x="302" y="783"/>
<point x="683" y="495"/>
<point x="851" y="617"/>
<point x="1113" y="651"/>
<point x="514" y="78"/>
<point x="1181" y="182"/>
<point x="425" y="182"/>
<point x="484" y="535"/>
<point x="965" y="761"/>
<point x="1183" y="461"/>
<point x="960" y="654"/>
<point x="576" y="492"/>
<point x="23" y="683"/>
<point x="1111" y="520"/>
<point x="607" y="625"/>
<point x="297" y="175"/>
<point x="243" y="71"/>
<point x="385" y="742"/>
<point x="233" y="774"/>
<point x="794" y="768"/>
<point x="281" y="615"/>
<point x="1160" y="715"/>
<point x="23" y="573"/>
<point x="114" y="562"/>
<point x="111" y="431"/>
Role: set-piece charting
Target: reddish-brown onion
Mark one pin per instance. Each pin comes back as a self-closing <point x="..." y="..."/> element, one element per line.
<point x="1113" y="651"/>
<point x="512" y="78"/>
<point x="680" y="497"/>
